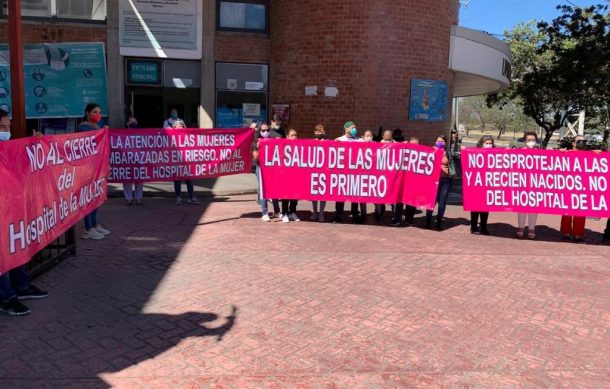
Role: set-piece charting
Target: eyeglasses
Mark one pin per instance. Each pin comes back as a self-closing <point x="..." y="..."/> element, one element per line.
<point x="263" y="130"/>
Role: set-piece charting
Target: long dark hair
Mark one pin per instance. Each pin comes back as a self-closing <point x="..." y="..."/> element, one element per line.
<point x="88" y="108"/>
<point x="444" y="138"/>
<point x="484" y="139"/>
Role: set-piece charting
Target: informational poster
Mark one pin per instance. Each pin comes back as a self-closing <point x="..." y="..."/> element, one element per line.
<point x="48" y="184"/>
<point x="60" y="79"/>
<point x="250" y="110"/>
<point x="160" y="29"/>
<point x="428" y="100"/>
<point x="282" y="111"/>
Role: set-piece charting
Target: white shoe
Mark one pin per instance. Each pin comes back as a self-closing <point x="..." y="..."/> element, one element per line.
<point x="321" y="217"/>
<point x="293" y="217"/>
<point x="280" y="216"/>
<point x="314" y="216"/>
<point x="101" y="230"/>
<point x="285" y="219"/>
<point x="266" y="218"/>
<point x="193" y="200"/>
<point x="178" y="200"/>
<point x="92" y="234"/>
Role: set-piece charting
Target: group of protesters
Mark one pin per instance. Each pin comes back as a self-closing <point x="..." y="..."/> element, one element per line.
<point x="572" y="227"/>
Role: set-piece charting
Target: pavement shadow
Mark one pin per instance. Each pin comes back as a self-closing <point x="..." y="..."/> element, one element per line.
<point x="102" y="315"/>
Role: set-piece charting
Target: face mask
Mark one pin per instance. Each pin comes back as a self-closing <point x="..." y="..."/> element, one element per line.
<point x="319" y="136"/>
<point x="174" y="115"/>
<point x="95" y="117"/>
<point x="354" y="132"/>
<point x="275" y="127"/>
<point x="440" y="145"/>
<point x="265" y="134"/>
<point x="132" y="125"/>
<point x="531" y="144"/>
<point x="580" y="144"/>
<point x="368" y="138"/>
<point x="5" y="135"/>
<point x="487" y="145"/>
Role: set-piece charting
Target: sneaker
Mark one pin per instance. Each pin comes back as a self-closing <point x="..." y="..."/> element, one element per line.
<point x="314" y="216"/>
<point x="294" y="218"/>
<point x="321" y="217"/>
<point x="128" y="202"/>
<point x="285" y="219"/>
<point x="139" y="203"/>
<point x="193" y="200"/>
<point x="266" y="218"/>
<point x="101" y="230"/>
<point x="14" y="308"/>
<point x="280" y="216"/>
<point x="178" y="200"/>
<point x="92" y="234"/>
<point x="32" y="292"/>
<point x="395" y="223"/>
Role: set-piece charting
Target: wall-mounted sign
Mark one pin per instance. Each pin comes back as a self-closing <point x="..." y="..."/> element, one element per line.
<point x="250" y="109"/>
<point x="144" y="72"/>
<point x="160" y="29"/>
<point x="60" y="79"/>
<point x="251" y="85"/>
<point x="428" y="100"/>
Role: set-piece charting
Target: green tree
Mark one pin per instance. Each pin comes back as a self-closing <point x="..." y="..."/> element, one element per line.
<point x="556" y="68"/>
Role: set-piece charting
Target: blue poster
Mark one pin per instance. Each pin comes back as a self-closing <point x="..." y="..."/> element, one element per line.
<point x="428" y="100"/>
<point x="60" y="79"/>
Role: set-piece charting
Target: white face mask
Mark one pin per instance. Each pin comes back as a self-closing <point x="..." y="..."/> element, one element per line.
<point x="487" y="145"/>
<point x="264" y="134"/>
<point x="5" y="135"/>
<point x="368" y="138"/>
<point x="531" y="144"/>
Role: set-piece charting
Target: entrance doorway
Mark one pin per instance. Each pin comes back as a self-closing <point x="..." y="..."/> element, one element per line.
<point x="151" y="106"/>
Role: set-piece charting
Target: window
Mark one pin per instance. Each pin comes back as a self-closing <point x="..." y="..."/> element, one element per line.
<point x="61" y="9"/>
<point x="250" y="16"/>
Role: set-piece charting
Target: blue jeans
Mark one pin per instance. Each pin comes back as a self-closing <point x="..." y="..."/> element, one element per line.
<point x="178" y="188"/>
<point x="263" y="202"/>
<point x="14" y="280"/>
<point x="91" y="220"/>
<point x="444" y="187"/>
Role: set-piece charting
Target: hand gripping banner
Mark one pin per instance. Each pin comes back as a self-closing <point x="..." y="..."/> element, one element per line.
<point x="48" y="184"/>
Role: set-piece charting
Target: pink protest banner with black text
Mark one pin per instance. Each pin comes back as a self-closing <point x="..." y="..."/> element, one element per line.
<point x="48" y="184"/>
<point x="536" y="181"/>
<point x="144" y="155"/>
<point x="365" y="172"/>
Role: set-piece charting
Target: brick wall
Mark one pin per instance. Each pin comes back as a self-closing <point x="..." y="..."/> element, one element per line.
<point x="241" y="47"/>
<point x="369" y="50"/>
<point x="52" y="32"/>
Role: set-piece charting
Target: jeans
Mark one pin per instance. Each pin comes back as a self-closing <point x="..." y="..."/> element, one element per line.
<point x="133" y="190"/>
<point x="14" y="280"/>
<point x="178" y="188"/>
<point x="91" y="220"/>
<point x="444" y="187"/>
<point x="263" y="202"/>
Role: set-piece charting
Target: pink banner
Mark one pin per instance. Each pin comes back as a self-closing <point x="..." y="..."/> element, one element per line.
<point x="349" y="171"/>
<point x="142" y="155"/>
<point x="48" y="184"/>
<point x="536" y="181"/>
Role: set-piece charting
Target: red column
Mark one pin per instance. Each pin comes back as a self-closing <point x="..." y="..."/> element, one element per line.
<point x="15" y="36"/>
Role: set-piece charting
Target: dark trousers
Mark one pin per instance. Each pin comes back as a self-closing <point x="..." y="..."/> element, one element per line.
<point x="13" y="281"/>
<point x="397" y="213"/>
<point x="474" y="220"/>
<point x="178" y="188"/>
<point x="340" y="207"/>
<point x="289" y="206"/>
<point x="607" y="230"/>
<point x="410" y="214"/>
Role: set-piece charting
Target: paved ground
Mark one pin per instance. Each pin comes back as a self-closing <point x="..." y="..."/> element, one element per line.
<point x="209" y="296"/>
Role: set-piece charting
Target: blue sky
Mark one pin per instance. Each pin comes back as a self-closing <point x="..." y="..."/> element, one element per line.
<point x="496" y="16"/>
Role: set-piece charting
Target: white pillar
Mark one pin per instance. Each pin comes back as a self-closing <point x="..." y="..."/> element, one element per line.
<point x="581" y="122"/>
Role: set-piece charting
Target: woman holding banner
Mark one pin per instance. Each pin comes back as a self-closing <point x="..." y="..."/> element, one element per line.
<point x="574" y="226"/>
<point x="531" y="141"/>
<point x="189" y="183"/>
<point x="445" y="183"/>
<point x="289" y="207"/>
<point x="319" y="133"/>
<point x="486" y="142"/>
<point x="93" y="115"/>
<point x="133" y="190"/>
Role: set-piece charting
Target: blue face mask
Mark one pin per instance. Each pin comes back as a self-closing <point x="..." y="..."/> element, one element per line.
<point x="5" y="135"/>
<point x="174" y="115"/>
<point x="354" y="132"/>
